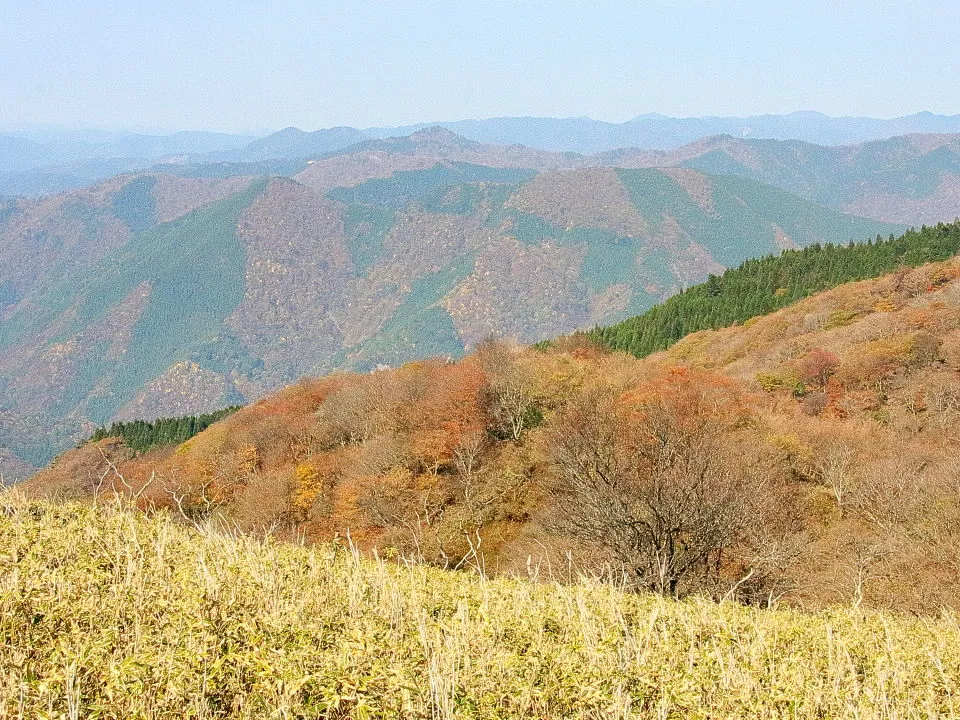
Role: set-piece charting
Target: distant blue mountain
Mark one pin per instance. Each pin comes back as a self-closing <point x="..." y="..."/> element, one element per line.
<point x="660" y="132"/>
<point x="294" y="143"/>
<point x="69" y="146"/>
<point x="48" y="161"/>
<point x="19" y="154"/>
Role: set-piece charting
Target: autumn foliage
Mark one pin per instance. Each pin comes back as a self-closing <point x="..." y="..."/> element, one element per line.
<point x="807" y="457"/>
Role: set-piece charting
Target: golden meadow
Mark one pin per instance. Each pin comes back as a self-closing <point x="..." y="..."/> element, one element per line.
<point x="109" y="613"/>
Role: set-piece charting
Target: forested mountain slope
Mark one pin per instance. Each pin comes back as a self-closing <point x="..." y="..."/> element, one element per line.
<point x="164" y="294"/>
<point x="889" y="176"/>
<point x="807" y="456"/>
<point x="912" y="179"/>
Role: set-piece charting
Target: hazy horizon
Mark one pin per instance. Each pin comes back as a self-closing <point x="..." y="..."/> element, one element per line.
<point x="40" y="128"/>
<point x="251" y="67"/>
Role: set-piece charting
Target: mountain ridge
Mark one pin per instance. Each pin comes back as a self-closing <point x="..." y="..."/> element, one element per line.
<point x="394" y="249"/>
<point x="662" y="132"/>
<point x="344" y="266"/>
<point x="67" y="159"/>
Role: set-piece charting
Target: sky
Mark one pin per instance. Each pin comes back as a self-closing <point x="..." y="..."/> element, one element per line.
<point x="251" y="66"/>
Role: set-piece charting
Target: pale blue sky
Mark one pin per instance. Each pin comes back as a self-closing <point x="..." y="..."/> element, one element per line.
<point x="242" y="65"/>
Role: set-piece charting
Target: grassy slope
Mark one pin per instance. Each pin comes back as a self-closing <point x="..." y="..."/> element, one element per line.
<point x="107" y="613"/>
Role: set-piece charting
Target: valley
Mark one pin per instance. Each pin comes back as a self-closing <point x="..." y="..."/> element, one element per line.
<point x="183" y="290"/>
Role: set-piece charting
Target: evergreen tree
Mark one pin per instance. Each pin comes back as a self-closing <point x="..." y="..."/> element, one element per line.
<point x="142" y="436"/>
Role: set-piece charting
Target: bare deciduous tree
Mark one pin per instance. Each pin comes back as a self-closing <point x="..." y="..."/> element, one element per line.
<point x="512" y="391"/>
<point x="362" y="410"/>
<point x="836" y="469"/>
<point x="655" y="487"/>
<point x="466" y="456"/>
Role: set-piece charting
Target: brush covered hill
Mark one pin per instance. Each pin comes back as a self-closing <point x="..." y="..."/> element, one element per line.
<point x="107" y="613"/>
<point x="165" y="293"/>
<point x="805" y="457"/>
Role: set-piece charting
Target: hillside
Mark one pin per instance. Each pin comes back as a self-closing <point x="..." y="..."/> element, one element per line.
<point x="19" y="154"/>
<point x="761" y="286"/>
<point x="826" y="431"/>
<point x="50" y="161"/>
<point x="294" y="143"/>
<point x="913" y="179"/>
<point x="163" y="294"/>
<point x="114" y="614"/>
<point x="910" y="179"/>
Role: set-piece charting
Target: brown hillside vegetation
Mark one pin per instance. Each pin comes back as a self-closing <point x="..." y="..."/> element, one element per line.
<point x="417" y="251"/>
<point x="422" y="150"/>
<point x="808" y="457"/>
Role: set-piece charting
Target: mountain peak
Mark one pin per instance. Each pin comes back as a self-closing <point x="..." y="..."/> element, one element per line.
<point x="294" y="142"/>
<point x="649" y="116"/>
<point x="438" y="134"/>
<point x="807" y="115"/>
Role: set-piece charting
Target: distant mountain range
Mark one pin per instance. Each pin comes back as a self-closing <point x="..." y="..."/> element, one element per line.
<point x="43" y="162"/>
<point x="46" y="162"/>
<point x="294" y="143"/>
<point x="908" y="180"/>
<point x="913" y="179"/>
<point x="660" y="132"/>
<point x="25" y="151"/>
<point x="163" y="293"/>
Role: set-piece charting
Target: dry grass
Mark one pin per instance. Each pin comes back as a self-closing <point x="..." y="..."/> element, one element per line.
<point x="107" y="613"/>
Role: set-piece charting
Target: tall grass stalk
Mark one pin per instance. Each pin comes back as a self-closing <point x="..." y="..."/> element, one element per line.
<point x="107" y="613"/>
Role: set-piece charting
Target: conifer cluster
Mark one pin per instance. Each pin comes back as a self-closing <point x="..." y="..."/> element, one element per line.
<point x="143" y="436"/>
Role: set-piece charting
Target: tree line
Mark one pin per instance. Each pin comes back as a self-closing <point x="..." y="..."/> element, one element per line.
<point x="142" y="436"/>
<point x="763" y="285"/>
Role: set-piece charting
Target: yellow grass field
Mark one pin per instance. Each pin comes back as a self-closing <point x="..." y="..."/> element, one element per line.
<point x="108" y="613"/>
